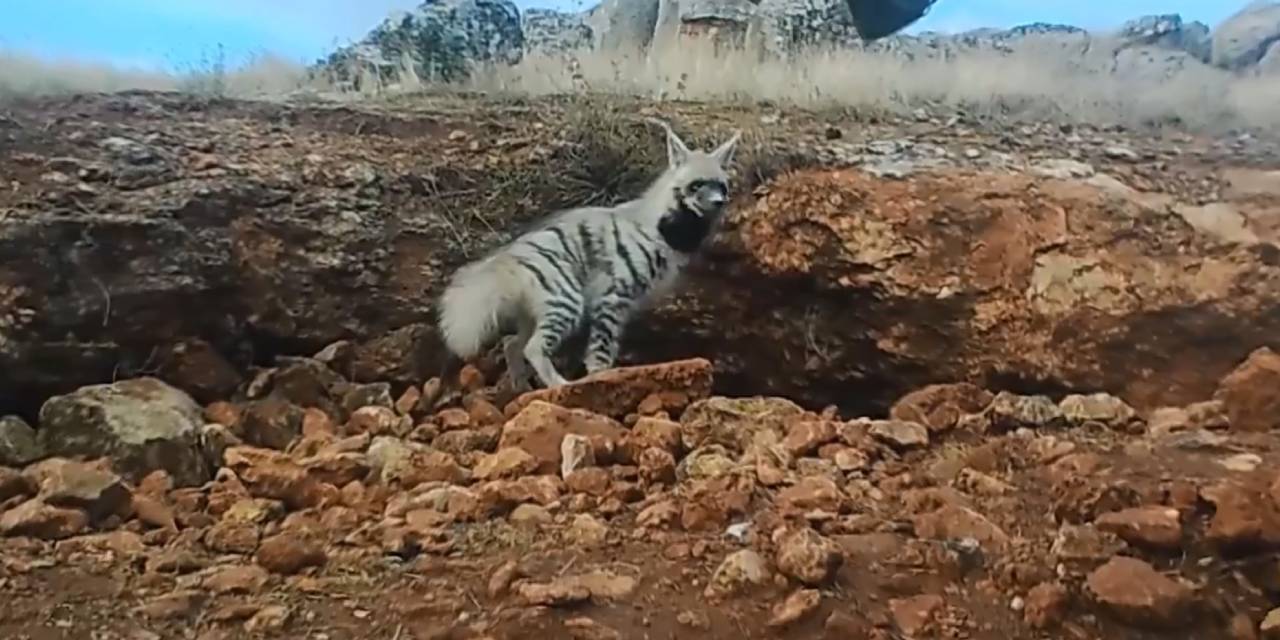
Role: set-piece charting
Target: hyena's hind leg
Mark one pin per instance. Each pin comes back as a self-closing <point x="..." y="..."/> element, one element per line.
<point x="517" y="367"/>
<point x="560" y="315"/>
<point x="607" y="316"/>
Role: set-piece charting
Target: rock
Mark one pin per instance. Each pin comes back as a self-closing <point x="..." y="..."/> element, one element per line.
<point x="900" y="435"/>
<point x="197" y="368"/>
<point x="233" y="537"/>
<point x="796" y="606"/>
<point x="1150" y="527"/>
<point x="1244" y="519"/>
<point x="1242" y="39"/>
<point x="659" y="515"/>
<point x="736" y="423"/>
<point x="1098" y="407"/>
<point x="654" y="432"/>
<point x="940" y="407"/>
<point x="739" y="573"/>
<point x="706" y="463"/>
<point x="287" y="554"/>
<point x="141" y="425"/>
<point x="237" y="579"/>
<point x="77" y="485"/>
<point x="586" y="532"/>
<point x="409" y="464"/>
<point x="1136" y="593"/>
<point x="378" y="421"/>
<point x="602" y="586"/>
<point x="13" y="484"/>
<point x="447" y="38"/>
<point x="1046" y="605"/>
<point x="36" y="519"/>
<point x="18" y="445"/>
<point x="272" y="423"/>
<point x="465" y="441"/>
<point x="1269" y="65"/>
<point x="841" y="625"/>
<point x="1270" y="627"/>
<point x="173" y="606"/>
<point x="1009" y="412"/>
<point x="657" y="466"/>
<point x="953" y="522"/>
<point x="806" y="556"/>
<point x="402" y="356"/>
<point x="1063" y="169"/>
<point x="502" y="577"/>
<point x="1084" y="544"/>
<point x="1250" y="395"/>
<point x="914" y="615"/>
<point x="810" y="495"/>
<point x="530" y="514"/>
<point x="1168" y="31"/>
<point x="576" y="453"/>
<point x="619" y="391"/>
<point x="553" y="32"/>
<point x="1220" y="220"/>
<point x="542" y="490"/>
<point x="592" y="481"/>
<point x="805" y="436"/>
<point x="510" y="462"/>
<point x="540" y="429"/>
<point x="588" y="629"/>
<point x="271" y="474"/>
<point x="269" y="619"/>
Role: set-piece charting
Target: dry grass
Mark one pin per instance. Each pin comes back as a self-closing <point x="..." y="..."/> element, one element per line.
<point x="1035" y="84"/>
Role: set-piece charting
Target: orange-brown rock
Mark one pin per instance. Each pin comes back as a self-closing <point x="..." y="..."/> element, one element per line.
<point x="540" y="428"/>
<point x="1153" y="527"/>
<point x="957" y="275"/>
<point x="940" y="406"/>
<point x="1135" y="592"/>
<point x="619" y="391"/>
<point x="1251" y="393"/>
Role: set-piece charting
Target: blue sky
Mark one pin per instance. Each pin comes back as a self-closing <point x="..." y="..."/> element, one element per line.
<point x="184" y="33"/>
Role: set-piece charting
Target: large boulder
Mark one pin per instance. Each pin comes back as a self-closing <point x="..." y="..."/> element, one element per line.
<point x="1059" y="282"/>
<point x="549" y="31"/>
<point x="442" y="39"/>
<point x="1269" y="65"/>
<point x="1242" y="40"/>
<point x="1168" y="31"/>
<point x="18" y="445"/>
<point x="623" y="25"/>
<point x="140" y="425"/>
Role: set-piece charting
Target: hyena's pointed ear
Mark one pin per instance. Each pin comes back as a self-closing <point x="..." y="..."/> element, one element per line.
<point x="724" y="153"/>
<point x="677" y="150"/>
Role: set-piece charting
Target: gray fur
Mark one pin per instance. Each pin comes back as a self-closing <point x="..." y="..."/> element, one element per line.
<point x="592" y="265"/>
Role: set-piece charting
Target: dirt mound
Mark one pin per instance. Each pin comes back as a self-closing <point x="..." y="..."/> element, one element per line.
<point x="669" y="513"/>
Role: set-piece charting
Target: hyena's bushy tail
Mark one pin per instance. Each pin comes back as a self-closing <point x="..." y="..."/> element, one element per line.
<point x="475" y="304"/>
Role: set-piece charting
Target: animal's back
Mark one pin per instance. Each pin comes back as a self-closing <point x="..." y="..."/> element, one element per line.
<point x="507" y="287"/>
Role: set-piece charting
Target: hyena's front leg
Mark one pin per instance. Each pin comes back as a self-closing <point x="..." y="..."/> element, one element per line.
<point x="607" y="316"/>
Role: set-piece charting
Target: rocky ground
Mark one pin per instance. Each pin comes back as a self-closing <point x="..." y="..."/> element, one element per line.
<point x="633" y="505"/>
<point x="963" y="378"/>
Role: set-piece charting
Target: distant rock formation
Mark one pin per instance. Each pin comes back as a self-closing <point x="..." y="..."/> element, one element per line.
<point x="1244" y="39"/>
<point x="441" y="39"/>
